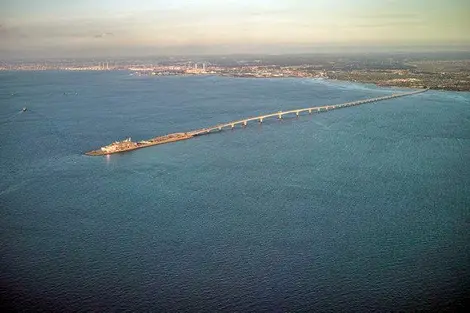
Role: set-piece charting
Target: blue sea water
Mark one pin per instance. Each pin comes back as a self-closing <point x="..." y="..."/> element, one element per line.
<point x="359" y="209"/>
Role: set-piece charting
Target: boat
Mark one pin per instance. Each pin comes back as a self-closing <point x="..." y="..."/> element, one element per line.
<point x="24" y="109"/>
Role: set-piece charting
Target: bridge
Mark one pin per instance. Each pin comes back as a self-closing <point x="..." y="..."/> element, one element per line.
<point x="128" y="145"/>
<point x="297" y="112"/>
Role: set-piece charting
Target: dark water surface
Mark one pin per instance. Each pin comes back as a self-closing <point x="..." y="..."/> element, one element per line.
<point x="364" y="208"/>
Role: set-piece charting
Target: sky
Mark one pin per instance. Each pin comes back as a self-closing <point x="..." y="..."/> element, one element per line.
<point x="162" y="27"/>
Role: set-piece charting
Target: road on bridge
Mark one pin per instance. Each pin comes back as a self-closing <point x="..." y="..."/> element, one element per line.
<point x="280" y="114"/>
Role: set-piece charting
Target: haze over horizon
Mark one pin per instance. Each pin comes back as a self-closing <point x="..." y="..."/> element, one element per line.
<point x="53" y="28"/>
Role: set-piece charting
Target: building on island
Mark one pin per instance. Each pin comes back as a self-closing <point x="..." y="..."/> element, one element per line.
<point x="119" y="146"/>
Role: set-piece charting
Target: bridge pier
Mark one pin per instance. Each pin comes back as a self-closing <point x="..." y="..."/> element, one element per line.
<point x="297" y="112"/>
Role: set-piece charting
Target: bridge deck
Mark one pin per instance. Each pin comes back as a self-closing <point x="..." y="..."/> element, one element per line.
<point x="279" y="114"/>
<point x="219" y="127"/>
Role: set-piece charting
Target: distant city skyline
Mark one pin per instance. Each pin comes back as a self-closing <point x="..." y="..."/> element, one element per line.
<point x="53" y="28"/>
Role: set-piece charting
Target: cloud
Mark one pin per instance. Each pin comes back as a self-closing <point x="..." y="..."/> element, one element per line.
<point x="388" y="24"/>
<point x="59" y="30"/>
<point x="383" y="20"/>
<point x="102" y="35"/>
<point x="390" y="16"/>
<point x="11" y="33"/>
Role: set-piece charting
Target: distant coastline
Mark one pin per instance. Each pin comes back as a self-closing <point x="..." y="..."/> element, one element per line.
<point x="381" y="70"/>
<point x="379" y="83"/>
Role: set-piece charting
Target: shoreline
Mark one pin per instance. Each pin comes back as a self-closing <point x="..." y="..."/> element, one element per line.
<point x="138" y="73"/>
<point x="376" y="84"/>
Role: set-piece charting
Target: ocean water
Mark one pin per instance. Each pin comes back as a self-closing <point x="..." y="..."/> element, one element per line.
<point x="359" y="209"/>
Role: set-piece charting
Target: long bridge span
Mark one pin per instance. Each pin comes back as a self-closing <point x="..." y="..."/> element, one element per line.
<point x="128" y="145"/>
<point x="297" y="112"/>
